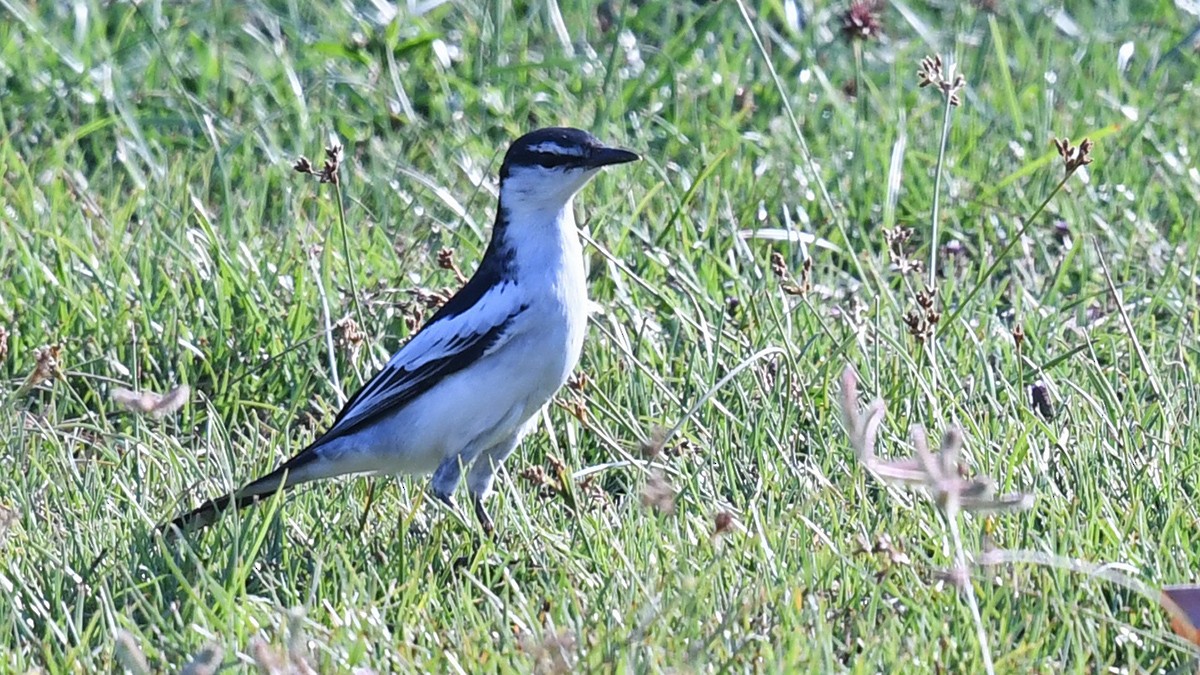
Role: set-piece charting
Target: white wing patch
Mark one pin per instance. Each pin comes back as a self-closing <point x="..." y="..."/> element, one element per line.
<point x="442" y="348"/>
<point x="493" y="309"/>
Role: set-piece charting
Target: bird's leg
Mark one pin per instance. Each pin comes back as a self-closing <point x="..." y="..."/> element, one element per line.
<point x="445" y="479"/>
<point x="481" y="514"/>
<point x="483" y="472"/>
<point x="362" y="522"/>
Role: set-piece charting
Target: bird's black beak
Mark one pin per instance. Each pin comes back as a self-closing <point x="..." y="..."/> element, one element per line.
<point x="605" y="156"/>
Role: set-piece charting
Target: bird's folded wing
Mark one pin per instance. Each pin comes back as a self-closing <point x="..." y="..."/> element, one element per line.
<point x="446" y="345"/>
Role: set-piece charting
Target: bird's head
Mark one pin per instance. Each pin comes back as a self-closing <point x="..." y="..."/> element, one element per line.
<point x="545" y="168"/>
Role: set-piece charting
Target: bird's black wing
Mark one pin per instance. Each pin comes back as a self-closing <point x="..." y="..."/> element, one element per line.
<point x="453" y="339"/>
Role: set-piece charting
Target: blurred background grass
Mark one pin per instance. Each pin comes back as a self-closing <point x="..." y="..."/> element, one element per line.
<point x="152" y="226"/>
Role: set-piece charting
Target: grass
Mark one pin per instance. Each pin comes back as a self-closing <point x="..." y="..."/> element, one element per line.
<point x="151" y="225"/>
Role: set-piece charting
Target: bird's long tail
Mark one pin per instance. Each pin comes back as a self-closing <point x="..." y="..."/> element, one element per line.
<point x="290" y="474"/>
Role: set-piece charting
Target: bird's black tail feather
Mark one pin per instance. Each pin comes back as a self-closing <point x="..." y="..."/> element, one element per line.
<point x="207" y="513"/>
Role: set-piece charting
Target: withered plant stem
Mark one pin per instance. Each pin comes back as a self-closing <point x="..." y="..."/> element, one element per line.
<point x="966" y="302"/>
<point x="358" y="314"/>
<point x="937" y="194"/>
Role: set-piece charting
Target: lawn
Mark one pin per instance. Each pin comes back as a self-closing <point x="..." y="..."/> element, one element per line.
<point x="693" y="502"/>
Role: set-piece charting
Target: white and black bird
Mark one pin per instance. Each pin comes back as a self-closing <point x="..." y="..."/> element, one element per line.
<point x="468" y="386"/>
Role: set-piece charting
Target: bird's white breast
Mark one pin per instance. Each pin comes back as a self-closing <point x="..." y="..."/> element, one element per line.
<point x="549" y="269"/>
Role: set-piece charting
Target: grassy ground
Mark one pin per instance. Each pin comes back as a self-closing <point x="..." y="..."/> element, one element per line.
<point x="151" y="225"/>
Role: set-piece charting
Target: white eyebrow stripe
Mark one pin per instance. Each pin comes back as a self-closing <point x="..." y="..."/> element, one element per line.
<point x="552" y="148"/>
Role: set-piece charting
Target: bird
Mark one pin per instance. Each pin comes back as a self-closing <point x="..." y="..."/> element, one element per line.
<point x="464" y="390"/>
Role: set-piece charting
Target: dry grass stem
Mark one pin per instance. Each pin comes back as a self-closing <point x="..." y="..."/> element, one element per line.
<point x="939" y="473"/>
<point x="151" y="403"/>
<point x="129" y="654"/>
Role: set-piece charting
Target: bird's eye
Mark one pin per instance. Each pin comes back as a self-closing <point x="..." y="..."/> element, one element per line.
<point x="553" y="161"/>
<point x="552" y="155"/>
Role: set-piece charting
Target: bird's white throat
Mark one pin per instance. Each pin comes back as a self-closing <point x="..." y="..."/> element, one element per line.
<point x="543" y="243"/>
<point x="538" y="217"/>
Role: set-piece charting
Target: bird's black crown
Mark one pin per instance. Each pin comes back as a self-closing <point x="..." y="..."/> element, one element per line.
<point x="555" y="147"/>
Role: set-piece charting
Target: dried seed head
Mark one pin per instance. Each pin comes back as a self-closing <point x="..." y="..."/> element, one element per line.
<point x="431" y="299"/>
<point x="896" y="238"/>
<point x="445" y="260"/>
<point x="577" y="406"/>
<point x="652" y="446"/>
<point x="933" y="71"/>
<point x="919" y="325"/>
<point x="535" y="474"/>
<point x="47" y="366"/>
<point x="658" y="494"/>
<point x="861" y="21"/>
<point x="723" y="523"/>
<point x="554" y="654"/>
<point x="578" y="381"/>
<point x="743" y="100"/>
<point x="605" y="17"/>
<point x="328" y="172"/>
<point x="348" y="334"/>
<point x="927" y="299"/>
<point x="333" y="163"/>
<point x="930" y="71"/>
<point x="779" y="266"/>
<point x="1074" y="157"/>
<point x="883" y="544"/>
<point x="547" y="487"/>
<point x="938" y="474"/>
<point x="1018" y="333"/>
<point x="591" y="488"/>
<point x="780" y="269"/>
<point x="1040" y="395"/>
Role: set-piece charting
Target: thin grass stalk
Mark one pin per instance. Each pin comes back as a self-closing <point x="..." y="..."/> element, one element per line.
<point x="331" y="352"/>
<point x="861" y="100"/>
<point x="962" y="306"/>
<point x="961" y="563"/>
<point x="1104" y="571"/>
<point x="931" y="345"/>
<point x="937" y="194"/>
<point x="834" y="213"/>
<point x="358" y="314"/>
